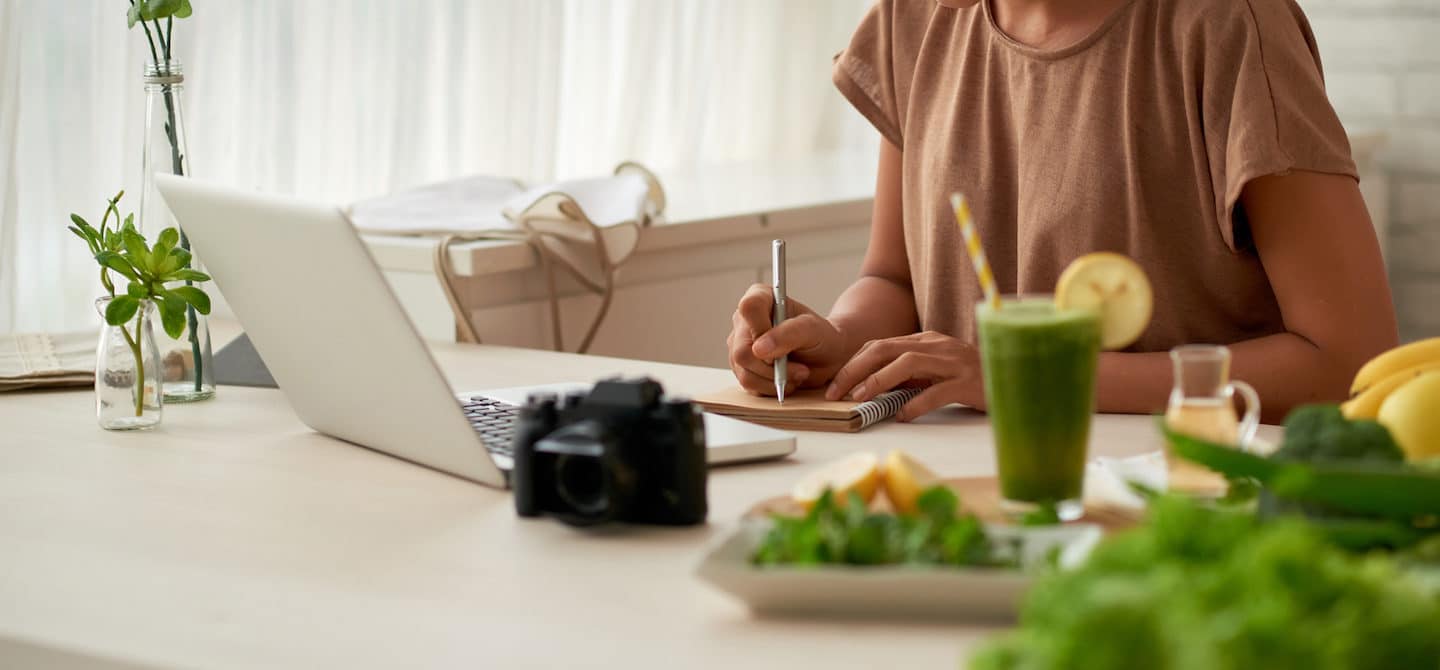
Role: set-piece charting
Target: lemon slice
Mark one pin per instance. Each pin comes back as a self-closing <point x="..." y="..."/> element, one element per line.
<point x="905" y="478"/>
<point x="1116" y="287"/>
<point x="859" y="473"/>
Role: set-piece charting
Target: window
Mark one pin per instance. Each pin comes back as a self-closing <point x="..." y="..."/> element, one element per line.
<point x="340" y="99"/>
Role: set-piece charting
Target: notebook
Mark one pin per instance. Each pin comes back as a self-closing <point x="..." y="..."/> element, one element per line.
<point x="807" y="410"/>
<point x="47" y="360"/>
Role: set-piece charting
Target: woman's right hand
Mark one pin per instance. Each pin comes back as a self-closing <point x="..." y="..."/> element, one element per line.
<point x="815" y="347"/>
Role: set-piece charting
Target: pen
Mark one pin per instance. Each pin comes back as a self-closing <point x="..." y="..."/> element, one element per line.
<point x="777" y="274"/>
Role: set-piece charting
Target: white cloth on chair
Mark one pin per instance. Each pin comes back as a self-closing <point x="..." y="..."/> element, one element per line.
<point x="587" y="227"/>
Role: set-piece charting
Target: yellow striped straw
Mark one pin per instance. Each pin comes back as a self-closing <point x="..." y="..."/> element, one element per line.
<point x="977" y="254"/>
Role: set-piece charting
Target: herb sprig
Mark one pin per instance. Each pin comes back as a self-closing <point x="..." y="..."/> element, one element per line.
<point x="831" y="533"/>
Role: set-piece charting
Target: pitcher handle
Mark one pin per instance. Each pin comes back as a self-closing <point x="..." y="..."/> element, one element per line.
<point x="1251" y="422"/>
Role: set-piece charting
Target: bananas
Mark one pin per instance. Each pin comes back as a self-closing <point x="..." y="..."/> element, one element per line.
<point x="1412" y="414"/>
<point x="1366" y="405"/>
<point x="1401" y="389"/>
<point x="1396" y="360"/>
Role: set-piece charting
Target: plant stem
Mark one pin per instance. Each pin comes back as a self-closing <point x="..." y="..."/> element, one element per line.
<point x="155" y="55"/>
<point x="134" y="343"/>
<point x="104" y="221"/>
<point x="164" y="43"/>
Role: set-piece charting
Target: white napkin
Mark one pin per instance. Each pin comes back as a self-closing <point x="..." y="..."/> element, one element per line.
<point x="1107" y="480"/>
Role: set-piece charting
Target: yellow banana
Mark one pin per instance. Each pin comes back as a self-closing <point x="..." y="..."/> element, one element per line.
<point x="1396" y="360"/>
<point x="1412" y="414"/>
<point x="1367" y="404"/>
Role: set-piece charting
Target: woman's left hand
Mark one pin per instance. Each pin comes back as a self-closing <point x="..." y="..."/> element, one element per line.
<point x="947" y="368"/>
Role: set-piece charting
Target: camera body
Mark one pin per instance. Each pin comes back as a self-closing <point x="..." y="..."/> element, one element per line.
<point x="622" y="452"/>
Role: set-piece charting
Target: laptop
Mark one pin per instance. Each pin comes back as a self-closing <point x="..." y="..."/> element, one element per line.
<point x="341" y="348"/>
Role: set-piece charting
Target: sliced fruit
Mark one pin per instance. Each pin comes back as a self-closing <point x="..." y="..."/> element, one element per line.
<point x="1398" y="359"/>
<point x="1412" y="413"/>
<point x="1116" y="287"/>
<point x="905" y="478"/>
<point x="859" y="473"/>
<point x="1366" y="405"/>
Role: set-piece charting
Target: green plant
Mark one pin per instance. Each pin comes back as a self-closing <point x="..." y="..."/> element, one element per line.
<point x="850" y="533"/>
<point x="1321" y="433"/>
<point x="147" y="268"/>
<point x="1196" y="587"/>
<point x="148" y="13"/>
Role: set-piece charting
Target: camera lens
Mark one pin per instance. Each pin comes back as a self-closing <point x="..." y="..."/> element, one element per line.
<point x="580" y="481"/>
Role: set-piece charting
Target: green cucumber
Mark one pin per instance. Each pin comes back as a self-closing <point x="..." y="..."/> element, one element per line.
<point x="1394" y="491"/>
<point x="1391" y="490"/>
<point x="1228" y="461"/>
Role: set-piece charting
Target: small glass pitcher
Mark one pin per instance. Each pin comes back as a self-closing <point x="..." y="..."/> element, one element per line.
<point x="1202" y="403"/>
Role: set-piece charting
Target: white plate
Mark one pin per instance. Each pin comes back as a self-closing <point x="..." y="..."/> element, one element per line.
<point x="888" y="591"/>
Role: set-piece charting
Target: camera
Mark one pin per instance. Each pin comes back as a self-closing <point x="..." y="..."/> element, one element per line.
<point x="622" y="452"/>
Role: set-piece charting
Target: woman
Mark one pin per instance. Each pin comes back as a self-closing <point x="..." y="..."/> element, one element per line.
<point x="1191" y="135"/>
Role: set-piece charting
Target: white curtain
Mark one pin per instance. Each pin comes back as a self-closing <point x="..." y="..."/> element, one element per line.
<point x="341" y="99"/>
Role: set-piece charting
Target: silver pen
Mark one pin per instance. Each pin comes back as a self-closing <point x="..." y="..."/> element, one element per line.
<point x="777" y="274"/>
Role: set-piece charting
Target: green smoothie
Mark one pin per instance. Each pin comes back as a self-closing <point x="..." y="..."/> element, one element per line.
<point x="1039" y="368"/>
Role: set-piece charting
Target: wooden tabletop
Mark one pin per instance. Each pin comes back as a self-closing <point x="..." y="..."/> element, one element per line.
<point x="233" y="536"/>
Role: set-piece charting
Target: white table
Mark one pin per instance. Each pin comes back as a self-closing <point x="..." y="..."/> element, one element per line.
<point x="233" y="536"/>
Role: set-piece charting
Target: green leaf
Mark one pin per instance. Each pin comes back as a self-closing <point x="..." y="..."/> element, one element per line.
<point x="121" y="309"/>
<point x="168" y="264"/>
<point x="160" y="9"/>
<point x="183" y="256"/>
<point x="89" y="241"/>
<point x="172" y="316"/>
<point x="196" y="297"/>
<point x="167" y="240"/>
<point x="117" y="263"/>
<point x="938" y="503"/>
<point x="187" y="274"/>
<point x="111" y="241"/>
<point x="184" y="11"/>
<point x="1045" y="514"/>
<point x="83" y="225"/>
<point x="133" y="16"/>
<point x="137" y="291"/>
<point x="138" y="252"/>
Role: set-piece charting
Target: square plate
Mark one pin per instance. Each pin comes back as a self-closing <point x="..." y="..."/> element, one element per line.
<point x="926" y="592"/>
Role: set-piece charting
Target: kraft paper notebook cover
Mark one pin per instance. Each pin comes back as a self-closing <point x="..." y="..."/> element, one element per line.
<point x="807" y="410"/>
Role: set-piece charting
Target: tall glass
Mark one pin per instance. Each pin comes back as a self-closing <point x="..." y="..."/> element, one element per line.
<point x="1039" y="368"/>
<point x="188" y="374"/>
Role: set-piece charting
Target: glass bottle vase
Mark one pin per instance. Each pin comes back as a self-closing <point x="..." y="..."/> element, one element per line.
<point x="127" y="387"/>
<point x="188" y="370"/>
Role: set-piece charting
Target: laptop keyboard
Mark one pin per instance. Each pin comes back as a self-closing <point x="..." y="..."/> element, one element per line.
<point x="494" y="420"/>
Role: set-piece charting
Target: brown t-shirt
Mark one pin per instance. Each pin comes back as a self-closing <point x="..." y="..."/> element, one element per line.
<point x="1138" y="140"/>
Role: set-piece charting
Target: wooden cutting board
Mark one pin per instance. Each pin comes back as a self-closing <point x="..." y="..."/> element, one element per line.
<point x="981" y="496"/>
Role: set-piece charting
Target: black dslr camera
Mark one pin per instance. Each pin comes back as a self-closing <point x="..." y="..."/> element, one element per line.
<point x="623" y="452"/>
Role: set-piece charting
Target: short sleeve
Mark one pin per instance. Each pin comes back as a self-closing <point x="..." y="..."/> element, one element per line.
<point x="1264" y="105"/>
<point x="865" y="72"/>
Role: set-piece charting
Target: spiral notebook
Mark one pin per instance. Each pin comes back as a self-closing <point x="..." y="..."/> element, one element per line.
<point x="807" y="410"/>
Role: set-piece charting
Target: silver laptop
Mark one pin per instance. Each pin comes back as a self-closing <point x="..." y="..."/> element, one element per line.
<point x="340" y="346"/>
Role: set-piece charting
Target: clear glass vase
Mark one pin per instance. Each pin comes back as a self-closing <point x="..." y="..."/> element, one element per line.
<point x="189" y="373"/>
<point x="127" y="389"/>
